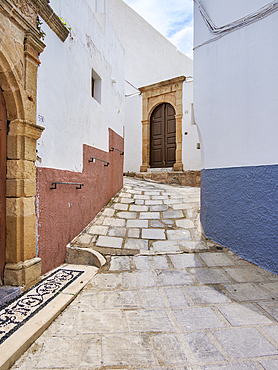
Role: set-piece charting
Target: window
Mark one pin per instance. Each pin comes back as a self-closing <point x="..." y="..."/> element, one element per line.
<point x="96" y="87"/>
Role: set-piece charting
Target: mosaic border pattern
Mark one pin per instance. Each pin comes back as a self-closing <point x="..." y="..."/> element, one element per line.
<point x="17" y="312"/>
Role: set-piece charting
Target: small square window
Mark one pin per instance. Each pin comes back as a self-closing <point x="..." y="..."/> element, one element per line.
<point x="96" y="86"/>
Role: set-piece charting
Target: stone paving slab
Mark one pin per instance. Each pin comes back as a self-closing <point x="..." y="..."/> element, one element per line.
<point x="244" y="343"/>
<point x="171" y="304"/>
<point x="239" y="314"/>
<point x="109" y="241"/>
<point x="157" y="223"/>
<point x="203" y="348"/>
<point x="191" y="319"/>
<point x="149" y="215"/>
<point x="138" y="244"/>
<point x="207" y="295"/>
<point x="165" y="246"/>
<point x="140" y="206"/>
<point x="153" y="234"/>
<point x="178" y="235"/>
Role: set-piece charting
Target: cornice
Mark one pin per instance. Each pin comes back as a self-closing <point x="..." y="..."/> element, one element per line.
<point x="16" y="14"/>
<point x="158" y="85"/>
<point x="24" y="12"/>
<point x="51" y="18"/>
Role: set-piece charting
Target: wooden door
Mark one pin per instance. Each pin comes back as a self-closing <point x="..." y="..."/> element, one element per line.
<point x="163" y="136"/>
<point x="3" y="139"/>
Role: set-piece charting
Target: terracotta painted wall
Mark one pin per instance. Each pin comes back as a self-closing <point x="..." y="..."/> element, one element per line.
<point x="64" y="212"/>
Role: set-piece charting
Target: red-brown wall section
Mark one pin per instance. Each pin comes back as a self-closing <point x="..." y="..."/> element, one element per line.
<point x="64" y="212"/>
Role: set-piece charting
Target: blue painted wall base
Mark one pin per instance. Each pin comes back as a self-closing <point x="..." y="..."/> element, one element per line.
<point x="239" y="210"/>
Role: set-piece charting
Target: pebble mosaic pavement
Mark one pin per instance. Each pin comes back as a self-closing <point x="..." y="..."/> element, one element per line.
<point x="17" y="312"/>
<point x="167" y="297"/>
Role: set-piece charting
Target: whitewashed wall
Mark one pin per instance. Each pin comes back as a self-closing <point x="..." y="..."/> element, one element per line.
<point x="236" y="110"/>
<point x="150" y="58"/>
<point x="235" y="89"/>
<point x="133" y="134"/>
<point x="191" y="156"/>
<point x="70" y="115"/>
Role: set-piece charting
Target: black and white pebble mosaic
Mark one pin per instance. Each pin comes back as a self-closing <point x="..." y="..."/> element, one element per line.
<point x="14" y="314"/>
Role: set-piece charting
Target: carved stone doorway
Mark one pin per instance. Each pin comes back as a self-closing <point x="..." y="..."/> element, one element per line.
<point x="3" y="156"/>
<point x="166" y="92"/>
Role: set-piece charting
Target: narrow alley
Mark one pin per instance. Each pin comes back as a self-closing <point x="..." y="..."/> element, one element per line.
<point x="167" y="298"/>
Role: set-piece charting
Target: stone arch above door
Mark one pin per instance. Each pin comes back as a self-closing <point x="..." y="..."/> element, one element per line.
<point x="169" y="91"/>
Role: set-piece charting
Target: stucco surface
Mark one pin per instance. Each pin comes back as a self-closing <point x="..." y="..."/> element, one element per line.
<point x="235" y="87"/>
<point x="66" y="108"/>
<point x="63" y="212"/>
<point x="239" y="210"/>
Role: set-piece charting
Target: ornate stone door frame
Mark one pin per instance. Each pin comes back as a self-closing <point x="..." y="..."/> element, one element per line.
<point x="18" y="81"/>
<point x="20" y="46"/>
<point x="19" y="91"/>
<point x="3" y="158"/>
<point x="169" y="91"/>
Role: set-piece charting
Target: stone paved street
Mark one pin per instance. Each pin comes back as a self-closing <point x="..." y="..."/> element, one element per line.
<point x="167" y="298"/>
<point x="143" y="218"/>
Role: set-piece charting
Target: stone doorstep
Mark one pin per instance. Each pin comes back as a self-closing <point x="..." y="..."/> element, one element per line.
<point x="181" y="178"/>
<point x="21" y="339"/>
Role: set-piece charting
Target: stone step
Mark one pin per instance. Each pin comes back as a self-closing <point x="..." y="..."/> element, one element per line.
<point x="84" y="256"/>
<point x="164" y="169"/>
<point x="183" y="178"/>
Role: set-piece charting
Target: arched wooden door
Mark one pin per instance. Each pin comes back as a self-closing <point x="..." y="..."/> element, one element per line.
<point x="163" y="136"/>
<point x="3" y="155"/>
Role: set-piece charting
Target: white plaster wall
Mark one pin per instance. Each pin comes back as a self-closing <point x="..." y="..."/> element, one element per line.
<point x="66" y="109"/>
<point x="149" y="58"/>
<point x="235" y="87"/>
<point x="149" y="55"/>
<point x="133" y="134"/>
<point x="191" y="156"/>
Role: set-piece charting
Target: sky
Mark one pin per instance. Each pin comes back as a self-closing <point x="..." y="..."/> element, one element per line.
<point x="172" y="18"/>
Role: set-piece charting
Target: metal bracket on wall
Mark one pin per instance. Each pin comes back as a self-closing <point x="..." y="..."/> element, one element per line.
<point x="78" y="185"/>
<point x="118" y="150"/>
<point x="93" y="159"/>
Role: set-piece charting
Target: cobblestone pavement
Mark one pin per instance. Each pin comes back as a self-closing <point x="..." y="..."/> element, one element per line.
<point x="146" y="218"/>
<point x="162" y="307"/>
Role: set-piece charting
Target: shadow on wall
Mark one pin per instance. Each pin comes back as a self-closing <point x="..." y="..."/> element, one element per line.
<point x="62" y="213"/>
<point x="239" y="211"/>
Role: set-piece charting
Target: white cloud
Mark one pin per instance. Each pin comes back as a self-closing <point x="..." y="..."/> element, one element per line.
<point x="183" y="39"/>
<point x="172" y="18"/>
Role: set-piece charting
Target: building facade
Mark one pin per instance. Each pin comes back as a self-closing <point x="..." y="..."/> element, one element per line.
<point x="81" y="106"/>
<point x="235" y="93"/>
<point x="85" y="107"/>
<point x="68" y="73"/>
<point x="151" y="59"/>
